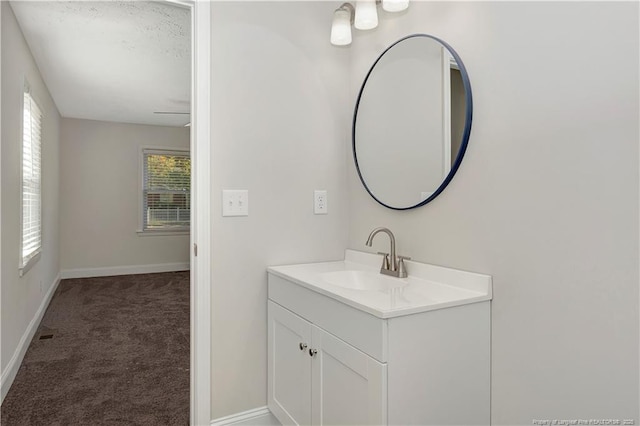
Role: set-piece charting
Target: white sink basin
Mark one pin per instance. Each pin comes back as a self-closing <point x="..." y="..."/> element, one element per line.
<point x="357" y="281"/>
<point x="362" y="280"/>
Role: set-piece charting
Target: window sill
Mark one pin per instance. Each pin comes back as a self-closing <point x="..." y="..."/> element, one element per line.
<point x="162" y="233"/>
<point x="29" y="264"/>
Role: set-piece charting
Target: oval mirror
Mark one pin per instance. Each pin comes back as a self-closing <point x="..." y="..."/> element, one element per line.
<point x="412" y="122"/>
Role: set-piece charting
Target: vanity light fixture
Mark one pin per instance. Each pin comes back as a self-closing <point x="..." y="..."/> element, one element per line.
<point x="395" y="5"/>
<point x="366" y="15"/>
<point x="341" y="27"/>
<point x="363" y="17"/>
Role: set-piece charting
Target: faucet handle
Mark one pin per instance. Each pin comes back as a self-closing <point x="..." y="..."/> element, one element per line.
<point x="402" y="271"/>
<point x="385" y="260"/>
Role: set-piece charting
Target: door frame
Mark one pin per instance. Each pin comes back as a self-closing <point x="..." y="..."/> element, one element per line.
<point x="200" y="234"/>
<point x="201" y="214"/>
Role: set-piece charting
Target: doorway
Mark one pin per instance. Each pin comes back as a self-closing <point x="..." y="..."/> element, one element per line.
<point x="199" y="245"/>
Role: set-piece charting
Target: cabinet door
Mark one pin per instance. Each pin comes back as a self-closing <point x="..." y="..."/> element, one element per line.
<point x="349" y="387"/>
<point x="289" y="366"/>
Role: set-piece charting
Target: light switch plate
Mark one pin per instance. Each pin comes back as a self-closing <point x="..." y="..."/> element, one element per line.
<point x="235" y="202"/>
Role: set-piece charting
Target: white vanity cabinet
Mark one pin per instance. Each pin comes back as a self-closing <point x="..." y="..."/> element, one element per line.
<point x="418" y="354"/>
<point x="384" y="350"/>
<point x="316" y="378"/>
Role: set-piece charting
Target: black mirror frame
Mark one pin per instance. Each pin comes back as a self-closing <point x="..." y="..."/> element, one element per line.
<point x="465" y="135"/>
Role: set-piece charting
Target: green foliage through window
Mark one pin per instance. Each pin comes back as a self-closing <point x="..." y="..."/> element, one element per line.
<point x="167" y="190"/>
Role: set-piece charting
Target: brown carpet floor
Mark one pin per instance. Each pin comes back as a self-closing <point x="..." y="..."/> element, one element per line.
<point x="119" y="355"/>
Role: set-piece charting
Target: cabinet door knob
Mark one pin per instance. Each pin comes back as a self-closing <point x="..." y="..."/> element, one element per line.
<point x="303" y="346"/>
<point x="312" y="352"/>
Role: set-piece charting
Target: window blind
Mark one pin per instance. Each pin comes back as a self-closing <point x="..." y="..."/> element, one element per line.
<point x="31" y="239"/>
<point x="166" y="190"/>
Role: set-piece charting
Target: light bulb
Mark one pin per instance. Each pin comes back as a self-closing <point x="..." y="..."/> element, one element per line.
<point x="366" y="15"/>
<point x="341" y="27"/>
<point x="395" y="5"/>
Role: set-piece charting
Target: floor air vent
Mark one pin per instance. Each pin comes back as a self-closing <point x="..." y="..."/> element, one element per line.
<point x="46" y="333"/>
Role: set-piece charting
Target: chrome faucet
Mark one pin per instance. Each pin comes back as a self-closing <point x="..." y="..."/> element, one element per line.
<point x="391" y="264"/>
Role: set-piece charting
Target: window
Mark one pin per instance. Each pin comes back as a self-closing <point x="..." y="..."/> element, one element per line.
<point x="31" y="194"/>
<point x="166" y="185"/>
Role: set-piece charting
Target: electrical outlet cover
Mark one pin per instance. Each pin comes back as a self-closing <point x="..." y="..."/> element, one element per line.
<point x="320" y="202"/>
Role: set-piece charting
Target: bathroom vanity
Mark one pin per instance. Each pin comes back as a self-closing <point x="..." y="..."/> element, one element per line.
<point x="405" y="343"/>
<point x="347" y="345"/>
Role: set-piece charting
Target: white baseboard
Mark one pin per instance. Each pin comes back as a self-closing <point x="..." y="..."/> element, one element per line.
<point x="260" y="416"/>
<point x="9" y="373"/>
<point x="124" y="270"/>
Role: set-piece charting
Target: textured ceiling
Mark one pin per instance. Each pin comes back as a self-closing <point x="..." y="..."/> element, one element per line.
<point x="112" y="60"/>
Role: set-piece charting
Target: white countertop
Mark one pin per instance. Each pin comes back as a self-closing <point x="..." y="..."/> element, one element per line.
<point x="428" y="287"/>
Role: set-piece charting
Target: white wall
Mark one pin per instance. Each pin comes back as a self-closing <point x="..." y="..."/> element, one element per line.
<point x="99" y="210"/>
<point x="280" y="129"/>
<point x="22" y="297"/>
<point x="546" y="199"/>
